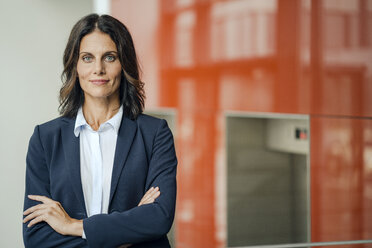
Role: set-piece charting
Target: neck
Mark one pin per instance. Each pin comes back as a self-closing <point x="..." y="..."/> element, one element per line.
<point x="99" y="111"/>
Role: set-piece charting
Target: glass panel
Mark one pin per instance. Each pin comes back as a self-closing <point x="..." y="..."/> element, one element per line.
<point x="185" y="23"/>
<point x="242" y="29"/>
<point x="341" y="179"/>
<point x="341" y="56"/>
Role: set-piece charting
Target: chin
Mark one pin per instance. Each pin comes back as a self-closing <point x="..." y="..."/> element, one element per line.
<point x="99" y="94"/>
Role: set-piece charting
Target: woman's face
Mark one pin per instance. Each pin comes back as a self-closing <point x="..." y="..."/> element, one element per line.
<point x="98" y="67"/>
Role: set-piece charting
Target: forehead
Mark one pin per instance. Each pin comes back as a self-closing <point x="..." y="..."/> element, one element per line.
<point x="97" y="41"/>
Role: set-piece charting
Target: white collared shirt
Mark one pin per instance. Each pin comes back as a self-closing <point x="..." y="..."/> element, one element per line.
<point x="97" y="151"/>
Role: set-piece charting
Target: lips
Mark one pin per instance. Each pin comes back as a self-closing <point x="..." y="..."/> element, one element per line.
<point x="99" y="81"/>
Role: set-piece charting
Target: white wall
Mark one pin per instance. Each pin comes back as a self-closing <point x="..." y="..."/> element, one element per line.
<point x="33" y="35"/>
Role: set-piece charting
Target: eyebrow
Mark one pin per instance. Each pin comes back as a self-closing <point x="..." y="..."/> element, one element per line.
<point x="104" y="53"/>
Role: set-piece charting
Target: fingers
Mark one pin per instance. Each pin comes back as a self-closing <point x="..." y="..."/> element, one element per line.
<point x="33" y="209"/>
<point x="35" y="221"/>
<point x="153" y="197"/>
<point x="33" y="215"/>
<point x="37" y="213"/>
<point x="150" y="196"/>
<point x="44" y="199"/>
<point x="147" y="194"/>
<point x="53" y="213"/>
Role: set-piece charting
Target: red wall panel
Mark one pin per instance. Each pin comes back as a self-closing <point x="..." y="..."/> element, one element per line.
<point x="341" y="178"/>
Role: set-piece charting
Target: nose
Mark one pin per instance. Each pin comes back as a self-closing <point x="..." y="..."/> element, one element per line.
<point x="99" y="68"/>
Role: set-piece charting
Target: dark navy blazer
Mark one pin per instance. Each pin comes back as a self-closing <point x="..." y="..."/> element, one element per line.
<point x="144" y="157"/>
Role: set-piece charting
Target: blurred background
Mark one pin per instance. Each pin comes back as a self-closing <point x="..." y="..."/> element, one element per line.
<point x="270" y="103"/>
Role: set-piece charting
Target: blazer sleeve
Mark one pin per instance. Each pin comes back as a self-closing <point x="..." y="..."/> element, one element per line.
<point x="149" y="221"/>
<point x="37" y="183"/>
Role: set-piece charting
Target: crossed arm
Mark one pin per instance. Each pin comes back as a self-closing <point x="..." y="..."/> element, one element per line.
<point x="53" y="213"/>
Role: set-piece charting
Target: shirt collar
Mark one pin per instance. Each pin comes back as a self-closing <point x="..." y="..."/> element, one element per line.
<point x="80" y="122"/>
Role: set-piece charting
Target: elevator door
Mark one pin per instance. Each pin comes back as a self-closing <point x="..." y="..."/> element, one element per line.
<point x="267" y="179"/>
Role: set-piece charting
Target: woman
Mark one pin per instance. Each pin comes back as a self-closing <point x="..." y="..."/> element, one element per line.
<point x="94" y="175"/>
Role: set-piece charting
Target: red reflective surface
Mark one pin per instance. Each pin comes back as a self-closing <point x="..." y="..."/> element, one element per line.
<point x="205" y="58"/>
<point x="341" y="178"/>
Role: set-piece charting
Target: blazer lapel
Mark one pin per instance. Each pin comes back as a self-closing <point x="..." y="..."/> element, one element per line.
<point x="71" y="147"/>
<point x="127" y="132"/>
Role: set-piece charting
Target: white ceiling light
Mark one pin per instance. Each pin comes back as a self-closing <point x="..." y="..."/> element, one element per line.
<point x="102" y="6"/>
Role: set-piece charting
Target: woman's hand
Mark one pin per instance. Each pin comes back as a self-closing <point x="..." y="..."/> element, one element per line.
<point x="150" y="196"/>
<point x="52" y="213"/>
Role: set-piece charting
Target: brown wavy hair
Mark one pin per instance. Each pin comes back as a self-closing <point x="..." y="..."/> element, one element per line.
<point x="132" y="95"/>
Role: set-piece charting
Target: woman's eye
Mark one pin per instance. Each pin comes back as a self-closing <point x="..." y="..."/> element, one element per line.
<point x="87" y="59"/>
<point x="110" y="58"/>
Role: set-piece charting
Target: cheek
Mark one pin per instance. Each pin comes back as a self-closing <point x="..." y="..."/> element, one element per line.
<point x="116" y="73"/>
<point x="82" y="71"/>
